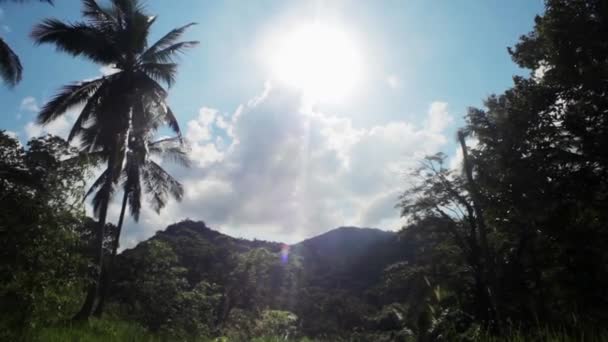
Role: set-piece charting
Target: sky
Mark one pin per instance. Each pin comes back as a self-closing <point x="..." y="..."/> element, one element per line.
<point x="390" y="82"/>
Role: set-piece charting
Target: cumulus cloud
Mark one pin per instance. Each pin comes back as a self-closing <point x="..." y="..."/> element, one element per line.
<point x="60" y="126"/>
<point x="276" y="171"/>
<point x="12" y="134"/>
<point x="438" y="117"/>
<point x="206" y="149"/>
<point x="29" y="104"/>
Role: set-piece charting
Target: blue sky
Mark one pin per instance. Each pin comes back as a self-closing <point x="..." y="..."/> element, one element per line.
<point x="424" y="63"/>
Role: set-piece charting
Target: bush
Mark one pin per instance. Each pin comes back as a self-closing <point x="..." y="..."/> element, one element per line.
<point x="276" y="323"/>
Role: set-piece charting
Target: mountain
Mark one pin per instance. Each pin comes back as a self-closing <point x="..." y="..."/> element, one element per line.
<point x="348" y="257"/>
<point x="331" y="281"/>
<point x="343" y="258"/>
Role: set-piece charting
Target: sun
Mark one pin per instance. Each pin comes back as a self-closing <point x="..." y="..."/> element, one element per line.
<point x="321" y="61"/>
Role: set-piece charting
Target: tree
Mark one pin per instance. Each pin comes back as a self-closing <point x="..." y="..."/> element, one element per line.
<point x="542" y="161"/>
<point x="535" y="183"/>
<point x="143" y="173"/>
<point x="40" y="223"/>
<point x="10" y="65"/>
<point x="154" y="291"/>
<point x="452" y="202"/>
<point x="115" y="35"/>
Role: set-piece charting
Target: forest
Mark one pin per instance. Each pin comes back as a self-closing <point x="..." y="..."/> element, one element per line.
<point x="508" y="246"/>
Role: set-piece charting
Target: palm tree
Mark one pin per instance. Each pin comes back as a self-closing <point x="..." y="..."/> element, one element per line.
<point x="113" y="35"/>
<point x="141" y="172"/>
<point x="10" y="65"/>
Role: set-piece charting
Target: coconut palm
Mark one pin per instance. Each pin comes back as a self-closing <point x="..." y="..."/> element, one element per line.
<point x="142" y="173"/>
<point x="10" y="65"/>
<point x="114" y="35"/>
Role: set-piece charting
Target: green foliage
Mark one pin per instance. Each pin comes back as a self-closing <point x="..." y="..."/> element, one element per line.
<point x="276" y="323"/>
<point x="525" y="216"/>
<point x="153" y="291"/>
<point x="508" y="247"/>
<point x="242" y="325"/>
<point x="93" y="331"/>
<point x="41" y="264"/>
<point x="118" y="331"/>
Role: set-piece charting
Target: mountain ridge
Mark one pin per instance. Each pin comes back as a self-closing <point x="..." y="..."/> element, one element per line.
<point x="330" y="278"/>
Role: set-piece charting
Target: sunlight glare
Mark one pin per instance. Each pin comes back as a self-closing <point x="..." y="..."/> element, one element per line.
<point x="321" y="61"/>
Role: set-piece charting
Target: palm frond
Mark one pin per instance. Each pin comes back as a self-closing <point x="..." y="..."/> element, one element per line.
<point x="126" y="7"/>
<point x="166" y="41"/>
<point x="102" y="197"/>
<point x="91" y="108"/>
<point x="92" y="158"/>
<point x="171" y="149"/>
<point x="78" y="39"/>
<point x="159" y="184"/>
<point x="160" y="72"/>
<point x="69" y="96"/>
<point x="98" y="183"/>
<point x="167" y="54"/>
<point x="10" y="66"/>
<point x="139" y="29"/>
<point x="97" y="14"/>
<point x="149" y="87"/>
<point x="156" y="93"/>
<point x="171" y="121"/>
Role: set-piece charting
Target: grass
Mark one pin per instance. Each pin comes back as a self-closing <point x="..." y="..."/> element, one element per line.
<point x="94" y="331"/>
<point x="546" y="335"/>
<point x="119" y="331"/>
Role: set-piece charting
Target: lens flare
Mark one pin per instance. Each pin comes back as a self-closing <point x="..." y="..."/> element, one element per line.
<point x="284" y="254"/>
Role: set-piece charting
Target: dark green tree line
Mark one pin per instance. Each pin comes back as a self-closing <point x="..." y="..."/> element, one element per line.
<point x="535" y="181"/>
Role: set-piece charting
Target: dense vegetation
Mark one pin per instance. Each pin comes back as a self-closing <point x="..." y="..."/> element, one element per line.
<point x="510" y="246"/>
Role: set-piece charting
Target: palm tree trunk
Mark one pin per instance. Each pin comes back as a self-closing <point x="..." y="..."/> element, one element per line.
<point x="87" y="306"/>
<point x="105" y="285"/>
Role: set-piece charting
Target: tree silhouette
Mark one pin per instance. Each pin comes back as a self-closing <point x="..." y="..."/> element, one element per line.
<point x="10" y="65"/>
<point x="142" y="173"/>
<point x="115" y="35"/>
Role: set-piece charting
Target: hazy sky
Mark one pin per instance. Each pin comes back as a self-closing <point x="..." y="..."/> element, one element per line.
<point x="269" y="164"/>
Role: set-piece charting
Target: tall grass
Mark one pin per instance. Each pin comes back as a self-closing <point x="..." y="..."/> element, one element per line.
<point x="119" y="331"/>
<point x="551" y="335"/>
<point x="102" y="331"/>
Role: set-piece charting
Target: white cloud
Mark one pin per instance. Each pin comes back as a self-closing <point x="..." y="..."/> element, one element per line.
<point x="12" y="134"/>
<point x="200" y="129"/>
<point x="438" y="117"/>
<point x="272" y="170"/>
<point x="29" y="104"/>
<point x="60" y="126"/>
<point x="203" y="150"/>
